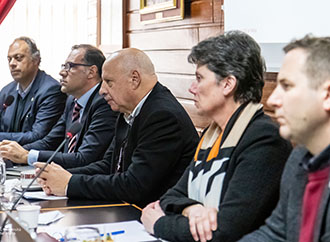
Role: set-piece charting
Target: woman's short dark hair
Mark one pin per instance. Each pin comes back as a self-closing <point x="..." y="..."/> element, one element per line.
<point x="233" y="53"/>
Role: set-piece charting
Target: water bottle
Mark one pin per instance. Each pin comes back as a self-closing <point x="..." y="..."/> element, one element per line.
<point x="2" y="175"/>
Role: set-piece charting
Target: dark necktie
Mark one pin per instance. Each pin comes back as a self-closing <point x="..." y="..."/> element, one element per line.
<point x="75" y="118"/>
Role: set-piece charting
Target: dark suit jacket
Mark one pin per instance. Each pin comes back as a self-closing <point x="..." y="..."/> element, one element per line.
<point x="44" y="106"/>
<point x="284" y="223"/>
<point x="160" y="145"/>
<point x="98" y="124"/>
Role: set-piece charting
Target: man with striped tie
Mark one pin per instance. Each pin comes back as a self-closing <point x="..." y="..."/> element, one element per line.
<point x="81" y="78"/>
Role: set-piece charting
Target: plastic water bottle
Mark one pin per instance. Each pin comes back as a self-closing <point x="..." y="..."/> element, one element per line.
<point x="2" y="175"/>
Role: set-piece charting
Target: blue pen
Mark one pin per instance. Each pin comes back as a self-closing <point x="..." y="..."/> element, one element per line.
<point x="118" y="232"/>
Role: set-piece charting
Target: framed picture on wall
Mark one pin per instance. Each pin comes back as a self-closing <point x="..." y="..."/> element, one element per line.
<point x="154" y="11"/>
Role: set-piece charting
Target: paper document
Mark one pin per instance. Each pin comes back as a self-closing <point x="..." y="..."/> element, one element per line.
<point x="130" y="231"/>
<point x="11" y="183"/>
<point x="42" y="196"/>
<point x="49" y="217"/>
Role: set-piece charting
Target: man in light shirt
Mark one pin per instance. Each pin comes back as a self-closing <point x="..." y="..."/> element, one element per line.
<point x="81" y="79"/>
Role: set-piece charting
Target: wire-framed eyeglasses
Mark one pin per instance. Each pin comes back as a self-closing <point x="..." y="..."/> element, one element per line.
<point x="67" y="66"/>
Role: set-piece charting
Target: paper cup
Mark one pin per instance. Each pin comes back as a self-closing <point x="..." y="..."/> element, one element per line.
<point x="26" y="177"/>
<point x="28" y="215"/>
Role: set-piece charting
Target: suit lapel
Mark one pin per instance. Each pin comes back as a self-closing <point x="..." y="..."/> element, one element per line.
<point x="296" y="201"/>
<point x="27" y="107"/>
<point x="88" y="105"/>
<point x="30" y="98"/>
<point x="84" y="119"/>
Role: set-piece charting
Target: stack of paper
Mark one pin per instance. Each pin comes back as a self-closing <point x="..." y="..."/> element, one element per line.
<point x="131" y="231"/>
<point x="42" y="196"/>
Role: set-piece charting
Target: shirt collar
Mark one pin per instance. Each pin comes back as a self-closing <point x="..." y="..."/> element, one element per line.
<point x="313" y="163"/>
<point x="24" y="93"/>
<point x="82" y="101"/>
<point x="130" y="118"/>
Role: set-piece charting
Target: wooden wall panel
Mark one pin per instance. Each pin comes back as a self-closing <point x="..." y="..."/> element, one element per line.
<point x="133" y="5"/>
<point x="174" y="61"/>
<point x="164" y="39"/>
<point x="268" y="89"/>
<point x="209" y="31"/>
<point x="196" y="12"/>
<point x="270" y="84"/>
<point x="178" y="84"/>
<point x="199" y="121"/>
<point x="217" y="11"/>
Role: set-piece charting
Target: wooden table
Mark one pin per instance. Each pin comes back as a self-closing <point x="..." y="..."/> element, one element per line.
<point x="83" y="212"/>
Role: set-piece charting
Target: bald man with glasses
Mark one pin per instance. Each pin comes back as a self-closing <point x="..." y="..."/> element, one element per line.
<point x="81" y="79"/>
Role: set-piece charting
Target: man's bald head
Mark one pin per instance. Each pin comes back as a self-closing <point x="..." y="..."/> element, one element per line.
<point x="133" y="59"/>
<point x="128" y="75"/>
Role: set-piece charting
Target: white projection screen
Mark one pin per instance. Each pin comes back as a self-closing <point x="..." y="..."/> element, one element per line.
<point x="275" y="23"/>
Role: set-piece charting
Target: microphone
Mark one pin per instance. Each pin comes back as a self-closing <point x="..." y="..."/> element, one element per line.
<point x="9" y="100"/>
<point x="72" y="131"/>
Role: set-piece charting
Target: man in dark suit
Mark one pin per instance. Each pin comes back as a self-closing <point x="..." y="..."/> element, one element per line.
<point x="81" y="78"/>
<point x="38" y="102"/>
<point x="301" y="101"/>
<point x="154" y="139"/>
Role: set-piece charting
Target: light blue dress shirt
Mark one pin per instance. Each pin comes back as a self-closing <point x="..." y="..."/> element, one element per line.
<point x="82" y="101"/>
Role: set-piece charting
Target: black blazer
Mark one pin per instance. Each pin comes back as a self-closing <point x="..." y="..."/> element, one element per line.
<point x="98" y="124"/>
<point x="44" y="106"/>
<point x="250" y="187"/>
<point x="160" y="144"/>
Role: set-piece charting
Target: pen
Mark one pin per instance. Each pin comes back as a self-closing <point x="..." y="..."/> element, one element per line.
<point x="118" y="232"/>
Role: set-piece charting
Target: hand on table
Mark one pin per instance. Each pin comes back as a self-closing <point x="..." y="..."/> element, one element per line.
<point x="11" y="150"/>
<point x="150" y="214"/>
<point x="54" y="179"/>
<point x="202" y="221"/>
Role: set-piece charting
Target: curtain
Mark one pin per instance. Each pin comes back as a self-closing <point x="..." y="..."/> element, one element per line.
<point x="5" y="6"/>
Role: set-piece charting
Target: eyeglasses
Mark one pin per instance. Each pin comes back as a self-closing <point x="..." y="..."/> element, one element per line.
<point x="67" y="66"/>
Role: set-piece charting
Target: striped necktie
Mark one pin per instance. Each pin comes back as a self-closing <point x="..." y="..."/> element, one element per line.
<point x="75" y="118"/>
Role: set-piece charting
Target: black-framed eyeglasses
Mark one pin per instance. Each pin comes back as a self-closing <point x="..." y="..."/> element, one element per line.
<point x="67" y="66"/>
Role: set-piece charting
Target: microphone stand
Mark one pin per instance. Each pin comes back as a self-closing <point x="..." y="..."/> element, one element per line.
<point x="30" y="184"/>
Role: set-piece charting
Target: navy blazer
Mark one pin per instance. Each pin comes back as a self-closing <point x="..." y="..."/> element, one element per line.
<point x="98" y="124"/>
<point x="160" y="145"/>
<point x="44" y="106"/>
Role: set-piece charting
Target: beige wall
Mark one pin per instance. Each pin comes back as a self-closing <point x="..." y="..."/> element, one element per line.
<point x="54" y="25"/>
